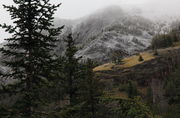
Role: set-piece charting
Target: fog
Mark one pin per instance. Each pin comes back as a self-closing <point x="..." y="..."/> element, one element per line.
<point x="73" y="9"/>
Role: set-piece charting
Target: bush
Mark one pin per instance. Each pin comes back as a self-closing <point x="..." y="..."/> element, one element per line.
<point x="123" y="87"/>
<point x="140" y="58"/>
<point x="127" y="108"/>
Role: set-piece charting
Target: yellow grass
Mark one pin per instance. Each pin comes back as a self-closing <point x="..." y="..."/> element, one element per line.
<point x="127" y="62"/>
<point x="104" y="67"/>
<point x="168" y="49"/>
<point x="134" y="60"/>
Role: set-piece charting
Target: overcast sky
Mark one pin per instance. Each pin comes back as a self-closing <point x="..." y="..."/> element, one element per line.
<point x="72" y="9"/>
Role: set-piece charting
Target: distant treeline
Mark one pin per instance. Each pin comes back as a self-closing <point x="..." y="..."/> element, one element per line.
<point x="165" y="40"/>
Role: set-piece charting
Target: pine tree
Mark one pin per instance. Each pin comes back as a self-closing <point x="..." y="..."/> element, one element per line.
<point x="91" y="91"/>
<point x="140" y="58"/>
<point x="29" y="52"/>
<point x="132" y="90"/>
<point x="71" y="69"/>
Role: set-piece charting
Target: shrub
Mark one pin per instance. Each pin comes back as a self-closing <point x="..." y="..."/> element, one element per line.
<point x="140" y="58"/>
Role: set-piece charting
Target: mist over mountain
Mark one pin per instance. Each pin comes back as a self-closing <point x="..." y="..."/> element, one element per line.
<point x="110" y="30"/>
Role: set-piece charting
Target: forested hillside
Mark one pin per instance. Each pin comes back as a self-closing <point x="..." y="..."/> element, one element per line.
<point x="110" y="64"/>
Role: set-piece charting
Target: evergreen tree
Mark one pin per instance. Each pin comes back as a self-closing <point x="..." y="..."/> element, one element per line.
<point x="71" y="69"/>
<point x="85" y="101"/>
<point x="132" y="90"/>
<point x="29" y="50"/>
<point x="140" y="58"/>
<point x="91" y="91"/>
<point x="55" y="91"/>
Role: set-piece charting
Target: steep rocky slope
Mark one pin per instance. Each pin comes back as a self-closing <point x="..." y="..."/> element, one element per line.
<point x="110" y="30"/>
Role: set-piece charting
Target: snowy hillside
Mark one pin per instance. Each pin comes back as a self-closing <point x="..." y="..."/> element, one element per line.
<point x="106" y="32"/>
<point x="112" y="29"/>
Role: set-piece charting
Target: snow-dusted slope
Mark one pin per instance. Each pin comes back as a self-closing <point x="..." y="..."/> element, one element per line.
<point x="111" y="30"/>
<point x="107" y="31"/>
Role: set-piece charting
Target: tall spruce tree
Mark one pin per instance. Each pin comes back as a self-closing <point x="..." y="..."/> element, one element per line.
<point x="71" y="69"/>
<point x="29" y="52"/>
<point x="91" y="91"/>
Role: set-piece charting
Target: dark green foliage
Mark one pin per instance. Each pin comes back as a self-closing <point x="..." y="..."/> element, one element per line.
<point x="172" y="87"/>
<point x="161" y="41"/>
<point x="172" y="93"/>
<point x="79" y="85"/>
<point x="120" y="108"/>
<point x="132" y="90"/>
<point x="165" y="40"/>
<point x="71" y="70"/>
<point x="173" y="111"/>
<point x="71" y="111"/>
<point x="30" y="52"/>
<point x="55" y="90"/>
<point x="140" y="58"/>
<point x="91" y="91"/>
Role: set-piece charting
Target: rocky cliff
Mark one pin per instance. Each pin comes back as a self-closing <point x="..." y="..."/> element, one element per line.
<point x="107" y="31"/>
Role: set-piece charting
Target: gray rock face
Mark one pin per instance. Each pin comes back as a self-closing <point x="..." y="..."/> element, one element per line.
<point x="105" y="32"/>
<point x="101" y="34"/>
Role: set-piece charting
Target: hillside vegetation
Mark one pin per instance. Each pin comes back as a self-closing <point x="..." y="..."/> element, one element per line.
<point x="50" y="72"/>
<point x="147" y="76"/>
<point x="134" y="60"/>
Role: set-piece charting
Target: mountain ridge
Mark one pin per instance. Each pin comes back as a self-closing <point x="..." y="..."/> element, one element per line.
<point x="110" y="30"/>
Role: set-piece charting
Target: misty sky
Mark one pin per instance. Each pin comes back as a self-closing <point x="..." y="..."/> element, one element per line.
<point x="72" y="9"/>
